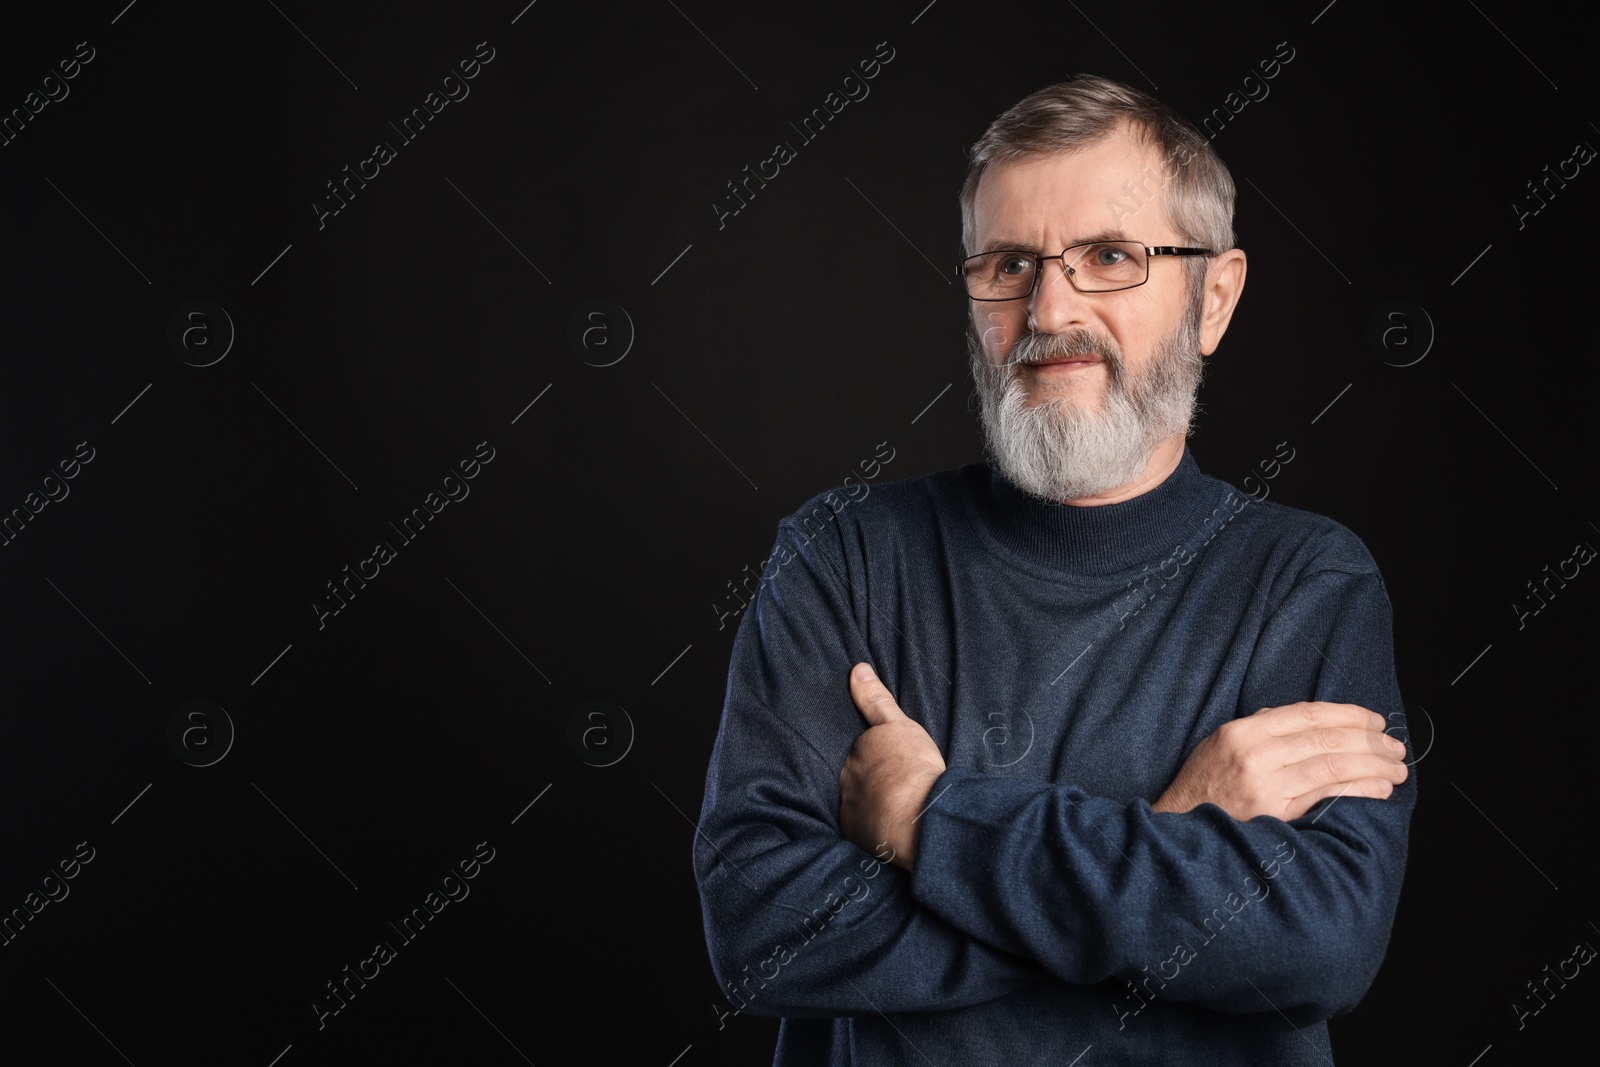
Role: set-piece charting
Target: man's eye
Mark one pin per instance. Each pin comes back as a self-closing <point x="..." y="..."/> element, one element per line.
<point x="1012" y="266"/>
<point x="1108" y="256"/>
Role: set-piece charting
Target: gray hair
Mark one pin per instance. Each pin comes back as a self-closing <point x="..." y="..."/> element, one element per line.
<point x="1197" y="189"/>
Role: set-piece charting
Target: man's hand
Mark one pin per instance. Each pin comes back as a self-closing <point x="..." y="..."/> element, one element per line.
<point x="1282" y="761"/>
<point x="887" y="776"/>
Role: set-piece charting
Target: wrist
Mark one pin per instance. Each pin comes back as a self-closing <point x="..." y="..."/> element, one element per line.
<point x="1172" y="801"/>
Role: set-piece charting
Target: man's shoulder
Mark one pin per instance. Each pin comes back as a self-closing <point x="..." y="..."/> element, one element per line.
<point x="1314" y="541"/>
<point x="912" y="501"/>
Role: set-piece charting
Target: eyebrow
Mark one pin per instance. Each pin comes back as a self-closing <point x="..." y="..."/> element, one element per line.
<point x="1009" y="245"/>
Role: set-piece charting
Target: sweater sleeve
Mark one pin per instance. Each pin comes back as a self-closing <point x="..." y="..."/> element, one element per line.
<point x="800" y="922"/>
<point x="1236" y="916"/>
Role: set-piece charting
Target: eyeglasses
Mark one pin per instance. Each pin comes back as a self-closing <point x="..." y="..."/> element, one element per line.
<point x="1097" y="267"/>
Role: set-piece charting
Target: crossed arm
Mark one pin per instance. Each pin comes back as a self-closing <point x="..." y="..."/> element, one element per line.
<point x="1280" y="762"/>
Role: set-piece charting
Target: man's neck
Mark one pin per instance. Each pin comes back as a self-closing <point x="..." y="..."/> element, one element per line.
<point x="1163" y="461"/>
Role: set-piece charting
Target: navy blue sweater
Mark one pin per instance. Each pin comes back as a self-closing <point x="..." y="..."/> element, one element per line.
<point x="1066" y="660"/>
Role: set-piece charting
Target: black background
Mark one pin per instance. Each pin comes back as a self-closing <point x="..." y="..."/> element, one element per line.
<point x="769" y="356"/>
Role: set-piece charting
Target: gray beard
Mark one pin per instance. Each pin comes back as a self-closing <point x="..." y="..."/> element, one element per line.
<point x="1057" y="451"/>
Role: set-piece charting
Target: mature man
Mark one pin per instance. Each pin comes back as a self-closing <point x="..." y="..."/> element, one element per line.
<point x="1125" y="793"/>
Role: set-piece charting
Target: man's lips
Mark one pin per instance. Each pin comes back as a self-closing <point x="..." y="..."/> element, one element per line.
<point x="1080" y="361"/>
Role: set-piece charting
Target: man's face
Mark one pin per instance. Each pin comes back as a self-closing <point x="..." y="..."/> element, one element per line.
<point x="1078" y="389"/>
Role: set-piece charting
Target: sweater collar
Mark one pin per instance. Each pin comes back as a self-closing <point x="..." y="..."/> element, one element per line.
<point x="1106" y="539"/>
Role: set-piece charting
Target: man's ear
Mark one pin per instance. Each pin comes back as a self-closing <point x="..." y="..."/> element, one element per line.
<point x="1224" y="284"/>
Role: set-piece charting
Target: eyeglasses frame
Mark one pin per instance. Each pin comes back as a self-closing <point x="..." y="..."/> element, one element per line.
<point x="1149" y="251"/>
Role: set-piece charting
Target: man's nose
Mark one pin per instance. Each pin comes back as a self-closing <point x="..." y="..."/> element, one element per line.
<point x="1055" y="305"/>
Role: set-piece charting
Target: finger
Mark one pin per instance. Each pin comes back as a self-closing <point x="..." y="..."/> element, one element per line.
<point x="1311" y="714"/>
<point x="1371" y="788"/>
<point x="1331" y="770"/>
<point x="872" y="697"/>
<point x="1306" y="744"/>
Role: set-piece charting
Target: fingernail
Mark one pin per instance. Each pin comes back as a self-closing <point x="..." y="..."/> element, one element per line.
<point x="866" y="673"/>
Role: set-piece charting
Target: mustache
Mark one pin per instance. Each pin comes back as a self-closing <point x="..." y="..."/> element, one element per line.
<point x="1037" y="347"/>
